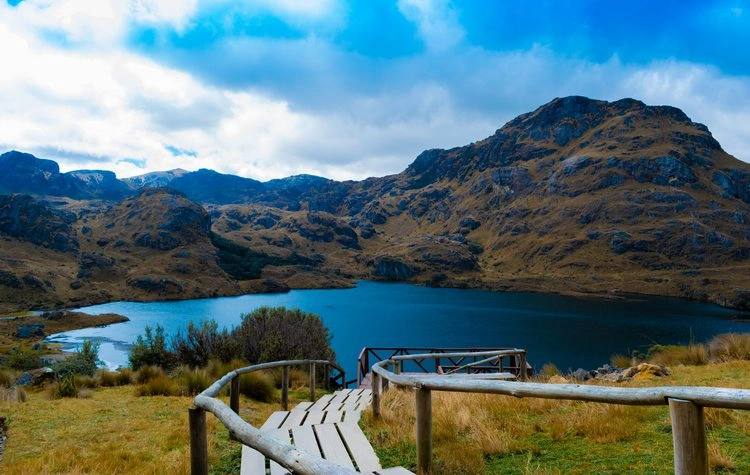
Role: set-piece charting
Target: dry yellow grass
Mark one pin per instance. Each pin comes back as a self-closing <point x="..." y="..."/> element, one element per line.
<point x="112" y="431"/>
<point x="482" y="433"/>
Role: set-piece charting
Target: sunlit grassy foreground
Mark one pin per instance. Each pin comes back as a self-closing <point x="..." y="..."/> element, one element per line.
<point x="484" y="433"/>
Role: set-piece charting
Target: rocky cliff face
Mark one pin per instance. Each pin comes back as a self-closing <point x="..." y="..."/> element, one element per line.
<point x="580" y="196"/>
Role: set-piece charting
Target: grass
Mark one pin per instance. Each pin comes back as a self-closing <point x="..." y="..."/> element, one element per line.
<point x="482" y="433"/>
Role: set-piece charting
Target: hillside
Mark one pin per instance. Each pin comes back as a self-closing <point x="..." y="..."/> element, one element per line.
<point x="580" y="196"/>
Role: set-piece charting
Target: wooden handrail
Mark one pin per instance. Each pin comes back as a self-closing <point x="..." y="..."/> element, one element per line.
<point x="686" y="407"/>
<point x="455" y="356"/>
<point x="285" y="454"/>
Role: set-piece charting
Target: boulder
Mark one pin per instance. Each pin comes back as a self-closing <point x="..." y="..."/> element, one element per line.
<point x="582" y="374"/>
<point x="35" y="330"/>
<point x="36" y="377"/>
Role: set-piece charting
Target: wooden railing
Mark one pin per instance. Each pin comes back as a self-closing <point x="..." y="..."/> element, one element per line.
<point x="685" y="406"/>
<point x="285" y="454"/>
<point x="445" y="360"/>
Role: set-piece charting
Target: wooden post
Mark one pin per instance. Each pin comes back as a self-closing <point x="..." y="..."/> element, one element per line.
<point x="522" y="366"/>
<point x="327" y="376"/>
<point x="689" y="438"/>
<point x="424" y="430"/>
<point x="312" y="382"/>
<point x="375" y="394"/>
<point x="383" y="381"/>
<point x="285" y="388"/>
<point x="198" y="441"/>
<point x="234" y="395"/>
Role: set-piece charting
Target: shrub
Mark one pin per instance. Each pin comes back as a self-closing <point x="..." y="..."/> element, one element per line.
<point x="66" y="387"/>
<point x="274" y="334"/>
<point x="151" y="349"/>
<point x="82" y="362"/>
<point x="159" y="386"/>
<point x="24" y="359"/>
<point x="257" y="385"/>
<point x="147" y="373"/>
<point x="730" y="346"/>
<point x="202" y="343"/>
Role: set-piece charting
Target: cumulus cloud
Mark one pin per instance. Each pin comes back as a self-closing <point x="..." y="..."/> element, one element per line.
<point x="437" y="23"/>
<point x="268" y="108"/>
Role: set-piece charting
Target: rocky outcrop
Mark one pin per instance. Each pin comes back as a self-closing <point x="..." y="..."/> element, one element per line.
<point x="23" y="217"/>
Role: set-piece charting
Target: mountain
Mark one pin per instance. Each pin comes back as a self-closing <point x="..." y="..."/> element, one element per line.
<point x="580" y="196"/>
<point x="154" y="179"/>
<point x="24" y="173"/>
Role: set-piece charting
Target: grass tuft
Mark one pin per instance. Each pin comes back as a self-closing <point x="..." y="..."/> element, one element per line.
<point x="149" y="372"/>
<point x="693" y="354"/>
<point x="730" y="346"/>
<point x="258" y="386"/>
<point x="108" y="378"/>
<point x="161" y="385"/>
<point x="194" y="380"/>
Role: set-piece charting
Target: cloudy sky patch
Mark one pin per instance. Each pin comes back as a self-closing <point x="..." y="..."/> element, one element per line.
<point x="344" y="89"/>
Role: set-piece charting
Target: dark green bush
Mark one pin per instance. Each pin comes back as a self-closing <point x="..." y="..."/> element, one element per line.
<point x="151" y="349"/>
<point x="24" y="359"/>
<point x="274" y="334"/>
<point x="82" y="362"/>
<point x="66" y="387"/>
<point x="200" y="344"/>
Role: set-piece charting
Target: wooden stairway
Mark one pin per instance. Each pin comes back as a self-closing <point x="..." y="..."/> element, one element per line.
<point x="327" y="428"/>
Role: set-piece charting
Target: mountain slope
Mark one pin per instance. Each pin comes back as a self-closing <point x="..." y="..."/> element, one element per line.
<point x="579" y="196"/>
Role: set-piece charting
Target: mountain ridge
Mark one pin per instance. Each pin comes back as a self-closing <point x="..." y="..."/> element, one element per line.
<point x="578" y="196"/>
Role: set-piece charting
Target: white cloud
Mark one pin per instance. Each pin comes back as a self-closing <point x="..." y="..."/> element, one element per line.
<point x="436" y="21"/>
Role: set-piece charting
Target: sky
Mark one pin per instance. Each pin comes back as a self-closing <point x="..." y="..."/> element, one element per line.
<point x="344" y="89"/>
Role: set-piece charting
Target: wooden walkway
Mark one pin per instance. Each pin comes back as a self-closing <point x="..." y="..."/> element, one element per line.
<point x="327" y="428"/>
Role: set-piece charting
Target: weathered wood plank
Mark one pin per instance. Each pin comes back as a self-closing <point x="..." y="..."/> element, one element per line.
<point x="274" y="421"/>
<point x="252" y="462"/>
<point x="331" y="445"/>
<point x="352" y="416"/>
<point x="358" y="446"/>
<point x="304" y="439"/>
<point x="294" y="419"/>
<point x="314" y="417"/>
<point x="333" y="416"/>
<point x="321" y="403"/>
<point x="303" y="406"/>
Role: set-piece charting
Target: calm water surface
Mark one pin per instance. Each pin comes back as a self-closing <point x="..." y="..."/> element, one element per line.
<point x="568" y="332"/>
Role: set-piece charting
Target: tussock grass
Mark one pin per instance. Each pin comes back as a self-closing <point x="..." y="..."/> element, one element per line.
<point x="161" y="385"/>
<point x="147" y="373"/>
<point x="730" y="346"/>
<point x="672" y="355"/>
<point x="193" y="380"/>
<point x="482" y="433"/>
<point x="258" y="385"/>
<point x="115" y="378"/>
<point x="12" y="394"/>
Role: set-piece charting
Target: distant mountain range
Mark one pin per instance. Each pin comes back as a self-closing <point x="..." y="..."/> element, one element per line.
<point x="581" y="197"/>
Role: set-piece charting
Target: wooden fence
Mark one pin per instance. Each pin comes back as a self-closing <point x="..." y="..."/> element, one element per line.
<point x="685" y="406"/>
<point x="444" y="360"/>
<point x="287" y="455"/>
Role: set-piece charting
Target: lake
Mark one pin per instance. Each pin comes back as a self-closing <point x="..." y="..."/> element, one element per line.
<point x="566" y="331"/>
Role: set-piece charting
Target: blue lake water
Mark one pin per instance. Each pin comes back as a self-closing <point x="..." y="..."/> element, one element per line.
<point x="566" y="331"/>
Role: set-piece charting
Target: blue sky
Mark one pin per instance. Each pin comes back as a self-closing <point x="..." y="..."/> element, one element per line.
<point x="344" y="89"/>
